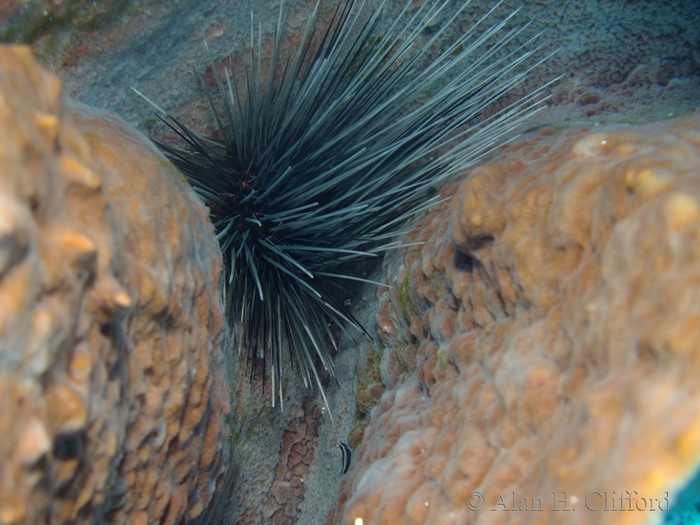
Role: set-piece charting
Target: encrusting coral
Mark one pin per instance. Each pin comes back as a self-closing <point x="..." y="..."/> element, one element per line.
<point x="113" y="396"/>
<point x="552" y="340"/>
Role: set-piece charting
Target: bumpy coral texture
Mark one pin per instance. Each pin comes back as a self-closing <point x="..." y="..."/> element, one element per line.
<point x="552" y="331"/>
<point x="113" y="397"/>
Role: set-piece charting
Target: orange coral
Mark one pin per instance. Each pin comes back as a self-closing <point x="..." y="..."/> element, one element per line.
<point x="113" y="397"/>
<point x="559" y="364"/>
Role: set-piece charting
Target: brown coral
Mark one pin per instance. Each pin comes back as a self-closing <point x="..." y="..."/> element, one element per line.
<point x="112" y="391"/>
<point x="559" y="364"/>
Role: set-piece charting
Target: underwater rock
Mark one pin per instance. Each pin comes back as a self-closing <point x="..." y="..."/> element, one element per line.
<point x="551" y="334"/>
<point x="113" y="393"/>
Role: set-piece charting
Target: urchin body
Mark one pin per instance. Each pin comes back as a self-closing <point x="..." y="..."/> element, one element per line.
<point x="321" y="161"/>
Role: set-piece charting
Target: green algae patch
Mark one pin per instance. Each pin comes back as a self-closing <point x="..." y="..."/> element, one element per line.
<point x="53" y="28"/>
<point x="406" y="304"/>
<point x="371" y="386"/>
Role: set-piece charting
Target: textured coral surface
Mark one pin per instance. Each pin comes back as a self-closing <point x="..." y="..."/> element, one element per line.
<point x="112" y="392"/>
<point x="551" y="334"/>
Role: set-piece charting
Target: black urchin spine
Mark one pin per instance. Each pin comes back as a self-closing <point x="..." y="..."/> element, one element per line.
<point x="324" y="159"/>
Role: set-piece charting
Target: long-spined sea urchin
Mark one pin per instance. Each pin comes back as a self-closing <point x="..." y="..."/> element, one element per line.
<point x="325" y="155"/>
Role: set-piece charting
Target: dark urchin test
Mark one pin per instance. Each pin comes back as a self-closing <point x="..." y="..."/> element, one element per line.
<point x="322" y="160"/>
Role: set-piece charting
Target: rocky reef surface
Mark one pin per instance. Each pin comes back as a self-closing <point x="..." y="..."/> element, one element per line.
<point x="542" y="344"/>
<point x="113" y="397"/>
